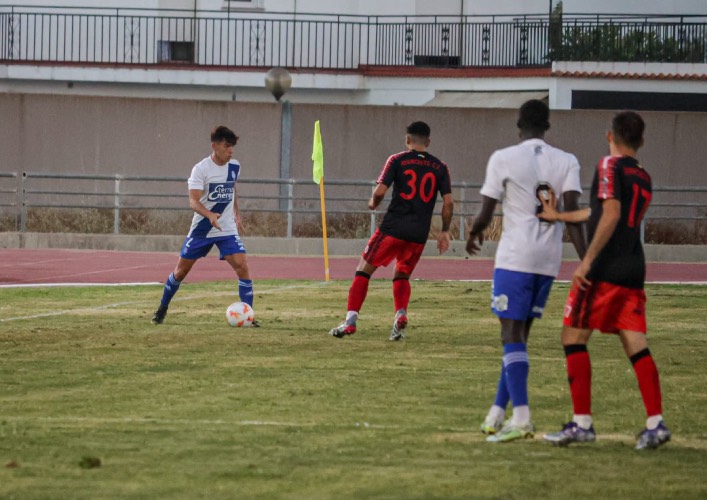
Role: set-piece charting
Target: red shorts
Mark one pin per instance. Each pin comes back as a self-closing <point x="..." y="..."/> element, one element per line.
<point x="382" y="249"/>
<point x="606" y="307"/>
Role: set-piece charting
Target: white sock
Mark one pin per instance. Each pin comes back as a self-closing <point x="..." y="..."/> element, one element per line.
<point x="584" y="421"/>
<point x="652" y="422"/>
<point x="521" y="415"/>
<point x="351" y="317"/>
<point x="496" y="413"/>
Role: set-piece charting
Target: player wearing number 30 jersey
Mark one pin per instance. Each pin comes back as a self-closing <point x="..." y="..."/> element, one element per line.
<point x="416" y="177"/>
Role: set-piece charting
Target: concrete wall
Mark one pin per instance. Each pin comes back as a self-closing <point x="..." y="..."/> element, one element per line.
<point x="105" y="135"/>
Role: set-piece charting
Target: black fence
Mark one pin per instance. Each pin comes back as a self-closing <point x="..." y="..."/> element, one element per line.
<point x="227" y="39"/>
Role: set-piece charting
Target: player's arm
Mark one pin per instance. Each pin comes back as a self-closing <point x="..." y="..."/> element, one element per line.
<point x="481" y="222"/>
<point x="610" y="215"/>
<point x="575" y="230"/>
<point x="196" y="205"/>
<point x="572" y="214"/>
<point x="443" y="238"/>
<point x="236" y="211"/>
<point x="377" y="196"/>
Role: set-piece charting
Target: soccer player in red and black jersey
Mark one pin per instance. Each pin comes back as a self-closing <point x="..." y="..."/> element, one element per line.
<point x="607" y="287"/>
<point x="416" y="177"/>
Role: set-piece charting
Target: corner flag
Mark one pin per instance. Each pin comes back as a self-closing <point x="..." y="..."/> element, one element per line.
<point x="317" y="155"/>
<point x="318" y="178"/>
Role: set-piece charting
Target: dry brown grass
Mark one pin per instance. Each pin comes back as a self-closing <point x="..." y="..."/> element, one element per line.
<point x="274" y="224"/>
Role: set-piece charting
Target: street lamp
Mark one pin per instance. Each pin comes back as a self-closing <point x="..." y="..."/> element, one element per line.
<point x="278" y="81"/>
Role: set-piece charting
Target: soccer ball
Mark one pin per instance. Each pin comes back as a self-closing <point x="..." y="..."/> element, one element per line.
<point x="240" y="314"/>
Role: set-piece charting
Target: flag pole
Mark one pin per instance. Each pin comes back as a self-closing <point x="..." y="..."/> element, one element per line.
<point x="318" y="178"/>
<point x="324" y="234"/>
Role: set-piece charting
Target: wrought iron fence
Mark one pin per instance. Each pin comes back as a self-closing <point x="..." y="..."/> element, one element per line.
<point x="226" y="39"/>
<point x="118" y="194"/>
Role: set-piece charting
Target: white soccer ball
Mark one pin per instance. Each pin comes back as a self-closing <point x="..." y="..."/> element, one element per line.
<point x="240" y="314"/>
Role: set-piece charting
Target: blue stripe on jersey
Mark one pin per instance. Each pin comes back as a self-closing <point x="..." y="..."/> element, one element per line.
<point x="233" y="170"/>
<point x="204" y="226"/>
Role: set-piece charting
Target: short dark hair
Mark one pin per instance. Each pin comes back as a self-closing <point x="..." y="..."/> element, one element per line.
<point x="221" y="133"/>
<point x="628" y="127"/>
<point x="420" y="129"/>
<point x="534" y="115"/>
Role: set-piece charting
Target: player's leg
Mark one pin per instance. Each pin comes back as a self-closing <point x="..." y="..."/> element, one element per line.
<point x="192" y="250"/>
<point x="579" y="375"/>
<point x="357" y="295"/>
<point x="232" y="250"/>
<point x="585" y="310"/>
<point x="407" y="258"/>
<point x="514" y="296"/>
<point x="635" y="346"/>
<point x="239" y="263"/>
<point x="375" y="254"/>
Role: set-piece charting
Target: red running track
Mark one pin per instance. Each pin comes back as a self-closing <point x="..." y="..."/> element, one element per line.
<point x="51" y="266"/>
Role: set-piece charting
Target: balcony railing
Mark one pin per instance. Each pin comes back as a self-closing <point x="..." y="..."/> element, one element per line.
<point x="226" y="39"/>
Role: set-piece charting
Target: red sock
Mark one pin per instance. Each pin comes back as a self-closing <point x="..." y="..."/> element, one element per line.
<point x="401" y="293"/>
<point x="358" y="291"/>
<point x="648" y="382"/>
<point x="579" y="374"/>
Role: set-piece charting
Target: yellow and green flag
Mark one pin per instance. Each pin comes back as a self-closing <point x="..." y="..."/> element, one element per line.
<point x="317" y="155"/>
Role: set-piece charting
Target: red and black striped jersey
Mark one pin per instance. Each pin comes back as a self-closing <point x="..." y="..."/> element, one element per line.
<point x="621" y="261"/>
<point x="416" y="178"/>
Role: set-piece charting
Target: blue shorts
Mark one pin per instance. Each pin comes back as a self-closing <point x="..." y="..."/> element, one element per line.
<point x="196" y="248"/>
<point x="519" y="296"/>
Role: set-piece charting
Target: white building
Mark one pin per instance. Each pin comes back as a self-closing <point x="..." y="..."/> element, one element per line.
<point x="232" y="50"/>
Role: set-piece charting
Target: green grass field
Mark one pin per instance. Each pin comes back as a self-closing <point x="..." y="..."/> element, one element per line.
<point x="196" y="409"/>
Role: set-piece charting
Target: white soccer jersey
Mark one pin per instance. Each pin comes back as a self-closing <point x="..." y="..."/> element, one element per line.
<point x="513" y="175"/>
<point x="218" y="185"/>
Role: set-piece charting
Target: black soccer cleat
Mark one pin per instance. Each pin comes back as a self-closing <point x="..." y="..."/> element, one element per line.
<point x="158" y="317"/>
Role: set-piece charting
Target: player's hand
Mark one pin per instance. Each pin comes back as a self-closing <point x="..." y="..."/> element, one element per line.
<point x="471" y="247"/>
<point x="549" y="206"/>
<point x="372" y="204"/>
<point x="579" y="278"/>
<point x="443" y="239"/>
<point x="213" y="219"/>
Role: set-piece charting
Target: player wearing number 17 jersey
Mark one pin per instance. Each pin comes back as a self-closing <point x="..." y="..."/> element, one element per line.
<point x="607" y="287"/>
<point x="416" y="177"/>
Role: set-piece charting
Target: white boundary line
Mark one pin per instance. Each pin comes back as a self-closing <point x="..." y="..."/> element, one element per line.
<point x="133" y="302"/>
<point x="684" y="442"/>
<point x="39" y="285"/>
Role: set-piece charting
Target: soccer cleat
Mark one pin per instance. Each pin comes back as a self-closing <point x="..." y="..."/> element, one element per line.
<point x="650" y="439"/>
<point x="343" y="330"/>
<point x="511" y="432"/>
<point x="255" y="324"/>
<point x="399" y="325"/>
<point x="571" y="433"/>
<point x="158" y="317"/>
<point x="491" y="426"/>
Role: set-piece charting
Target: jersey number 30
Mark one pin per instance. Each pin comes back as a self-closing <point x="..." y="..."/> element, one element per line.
<point x="426" y="187"/>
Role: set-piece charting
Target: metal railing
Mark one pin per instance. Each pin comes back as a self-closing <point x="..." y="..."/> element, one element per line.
<point x="225" y="39"/>
<point x="119" y="194"/>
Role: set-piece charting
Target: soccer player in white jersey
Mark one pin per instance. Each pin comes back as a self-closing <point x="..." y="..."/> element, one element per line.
<point x="528" y="256"/>
<point x="214" y="199"/>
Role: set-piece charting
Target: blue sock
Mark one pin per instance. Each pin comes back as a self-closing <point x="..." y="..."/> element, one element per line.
<point x="502" y="394"/>
<point x="245" y="291"/>
<point x="516" y="367"/>
<point x="170" y="288"/>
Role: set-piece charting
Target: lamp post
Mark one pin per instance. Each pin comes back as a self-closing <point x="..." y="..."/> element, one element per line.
<point x="278" y="81"/>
